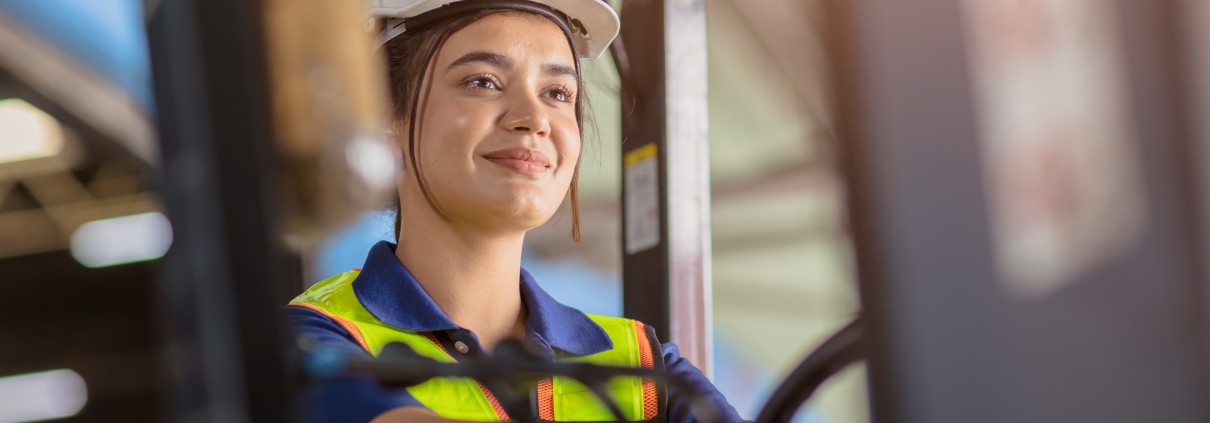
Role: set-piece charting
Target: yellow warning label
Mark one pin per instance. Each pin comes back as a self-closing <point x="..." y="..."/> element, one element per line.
<point x="640" y="154"/>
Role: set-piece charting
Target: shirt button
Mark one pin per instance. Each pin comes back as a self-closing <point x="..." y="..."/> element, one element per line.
<point x="461" y="347"/>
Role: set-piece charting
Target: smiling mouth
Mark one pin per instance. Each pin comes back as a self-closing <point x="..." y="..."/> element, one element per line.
<point x="520" y="160"/>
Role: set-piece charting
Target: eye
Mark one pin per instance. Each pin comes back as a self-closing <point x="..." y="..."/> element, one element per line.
<point x="482" y="82"/>
<point x="561" y="94"/>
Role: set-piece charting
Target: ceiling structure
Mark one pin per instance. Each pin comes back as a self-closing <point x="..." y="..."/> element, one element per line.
<point x="98" y="168"/>
<point x="102" y="169"/>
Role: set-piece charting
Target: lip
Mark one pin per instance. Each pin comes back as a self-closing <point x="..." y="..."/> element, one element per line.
<point x="521" y="160"/>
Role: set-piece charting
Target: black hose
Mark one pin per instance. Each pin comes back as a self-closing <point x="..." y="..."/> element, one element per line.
<point x="843" y="348"/>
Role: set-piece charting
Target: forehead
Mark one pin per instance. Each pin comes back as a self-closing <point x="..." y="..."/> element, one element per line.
<point x="521" y="36"/>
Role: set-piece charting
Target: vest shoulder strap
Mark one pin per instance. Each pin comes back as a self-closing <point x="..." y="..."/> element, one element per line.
<point x="639" y="399"/>
<point x="334" y="298"/>
<point x="453" y="398"/>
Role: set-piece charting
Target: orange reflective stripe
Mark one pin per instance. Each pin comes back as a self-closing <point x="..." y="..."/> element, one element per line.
<point x="546" y="399"/>
<point x="432" y="338"/>
<point x="651" y="401"/>
<point x="345" y="323"/>
<point x="491" y="399"/>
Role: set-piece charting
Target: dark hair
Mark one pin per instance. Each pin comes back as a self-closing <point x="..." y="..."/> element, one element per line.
<point x="408" y="59"/>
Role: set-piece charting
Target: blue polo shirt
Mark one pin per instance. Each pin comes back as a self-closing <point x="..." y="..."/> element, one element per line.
<point x="389" y="291"/>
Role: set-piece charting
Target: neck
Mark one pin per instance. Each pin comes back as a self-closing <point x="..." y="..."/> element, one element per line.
<point x="474" y="277"/>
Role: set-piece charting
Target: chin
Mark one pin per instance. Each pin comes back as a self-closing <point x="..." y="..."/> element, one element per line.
<point x="526" y="216"/>
<point x="523" y="211"/>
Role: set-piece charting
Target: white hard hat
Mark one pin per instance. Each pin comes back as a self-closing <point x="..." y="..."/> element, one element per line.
<point x="593" y="24"/>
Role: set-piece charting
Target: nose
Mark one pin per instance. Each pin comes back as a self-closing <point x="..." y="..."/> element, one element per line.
<point x="527" y="115"/>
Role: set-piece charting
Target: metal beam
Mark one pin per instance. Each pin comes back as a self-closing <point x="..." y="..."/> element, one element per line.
<point x="1197" y="63"/>
<point x="666" y="188"/>
<point x="227" y="270"/>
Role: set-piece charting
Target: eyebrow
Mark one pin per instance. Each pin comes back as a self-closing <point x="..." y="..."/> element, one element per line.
<point x="502" y="61"/>
<point x="559" y="70"/>
<point x="494" y="59"/>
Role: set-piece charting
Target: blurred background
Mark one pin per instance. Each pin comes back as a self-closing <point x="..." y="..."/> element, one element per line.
<point x="79" y="215"/>
<point x="989" y="158"/>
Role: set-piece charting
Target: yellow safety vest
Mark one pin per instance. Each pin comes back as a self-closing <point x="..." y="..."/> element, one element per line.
<point x="557" y="399"/>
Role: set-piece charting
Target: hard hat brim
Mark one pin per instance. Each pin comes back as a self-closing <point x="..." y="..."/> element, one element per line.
<point x="594" y="23"/>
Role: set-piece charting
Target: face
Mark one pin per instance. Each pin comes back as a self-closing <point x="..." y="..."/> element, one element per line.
<point x="498" y="139"/>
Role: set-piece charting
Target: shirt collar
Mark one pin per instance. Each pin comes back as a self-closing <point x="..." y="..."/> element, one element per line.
<point x="388" y="290"/>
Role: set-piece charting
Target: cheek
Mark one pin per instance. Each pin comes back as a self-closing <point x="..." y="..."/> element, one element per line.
<point x="460" y="119"/>
<point x="451" y="131"/>
<point x="569" y="158"/>
<point x="568" y="144"/>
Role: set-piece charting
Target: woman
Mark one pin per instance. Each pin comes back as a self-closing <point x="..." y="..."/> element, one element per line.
<point x="488" y="104"/>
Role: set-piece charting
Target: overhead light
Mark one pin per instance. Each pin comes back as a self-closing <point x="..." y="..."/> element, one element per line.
<point x="121" y="240"/>
<point x="53" y="394"/>
<point x="27" y="133"/>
